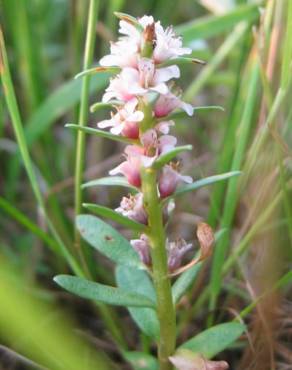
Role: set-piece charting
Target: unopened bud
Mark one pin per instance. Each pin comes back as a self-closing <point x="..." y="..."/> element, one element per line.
<point x="149" y="37"/>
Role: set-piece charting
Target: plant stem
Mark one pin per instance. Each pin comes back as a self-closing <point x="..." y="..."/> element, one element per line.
<point x="156" y="234"/>
<point x="83" y="117"/>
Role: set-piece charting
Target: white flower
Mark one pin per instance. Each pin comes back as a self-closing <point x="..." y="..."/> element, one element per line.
<point x="132" y="82"/>
<point x="125" y="121"/>
<point x="124" y="53"/>
<point x="167" y="44"/>
<point x="154" y="78"/>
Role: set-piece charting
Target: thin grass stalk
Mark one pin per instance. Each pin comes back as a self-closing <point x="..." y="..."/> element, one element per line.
<point x="232" y="194"/>
<point x="19" y="133"/>
<point x="83" y="118"/>
<point x="228" y="142"/>
<point x="18" y="22"/>
<point x="221" y="54"/>
<point x="281" y="94"/>
<point x="27" y="223"/>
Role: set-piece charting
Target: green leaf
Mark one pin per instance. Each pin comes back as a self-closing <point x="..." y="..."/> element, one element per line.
<point x="138" y="281"/>
<point x="208" y="107"/>
<point x="214" y="340"/>
<point x="130" y="19"/>
<point x="209" y="26"/>
<point x="102" y="293"/>
<point x="180" y="61"/>
<point x="141" y="361"/>
<point x="100" y="133"/>
<point x="107" y="241"/>
<point x="203" y="182"/>
<point x="167" y="157"/>
<point x="99" y="105"/>
<point x="184" y="282"/>
<point x="179" y="114"/>
<point x="98" y="69"/>
<point x="115" y="216"/>
<point x="110" y="181"/>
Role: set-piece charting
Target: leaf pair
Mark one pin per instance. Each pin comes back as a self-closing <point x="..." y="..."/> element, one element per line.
<point x="135" y="289"/>
<point x="195" y="351"/>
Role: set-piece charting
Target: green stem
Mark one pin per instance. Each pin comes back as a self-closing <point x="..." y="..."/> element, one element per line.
<point x="156" y="234"/>
<point x="83" y="117"/>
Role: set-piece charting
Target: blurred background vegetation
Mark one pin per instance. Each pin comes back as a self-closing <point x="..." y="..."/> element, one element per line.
<point x="248" y="48"/>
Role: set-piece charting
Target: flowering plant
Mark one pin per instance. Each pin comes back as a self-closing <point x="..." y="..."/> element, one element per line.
<point x="144" y="101"/>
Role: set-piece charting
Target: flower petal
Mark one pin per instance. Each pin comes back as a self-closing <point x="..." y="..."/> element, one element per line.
<point x="165" y="74"/>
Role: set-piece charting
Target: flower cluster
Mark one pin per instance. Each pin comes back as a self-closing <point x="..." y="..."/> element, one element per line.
<point x="144" y="96"/>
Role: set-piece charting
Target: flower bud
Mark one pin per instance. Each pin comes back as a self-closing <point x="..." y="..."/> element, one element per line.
<point x="169" y="179"/>
<point x="176" y="251"/>
<point x="148" y="39"/>
<point x="142" y="247"/>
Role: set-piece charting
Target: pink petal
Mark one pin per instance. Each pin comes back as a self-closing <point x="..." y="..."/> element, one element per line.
<point x="165" y="74"/>
<point x="164" y="126"/>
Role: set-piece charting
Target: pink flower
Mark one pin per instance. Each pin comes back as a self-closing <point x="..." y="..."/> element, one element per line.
<point x="130" y="168"/>
<point x="142" y="247"/>
<point x="143" y="154"/>
<point x="125" y="86"/>
<point x="132" y="207"/>
<point x="176" y="251"/>
<point x="166" y="143"/>
<point x="125" y="121"/>
<point x="167" y="45"/>
<point x="168" y="103"/>
<point x="169" y="179"/>
<point x="157" y="145"/>
<point x="164" y="126"/>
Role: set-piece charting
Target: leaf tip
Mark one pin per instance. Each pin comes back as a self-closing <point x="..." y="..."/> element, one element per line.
<point x="58" y="279"/>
